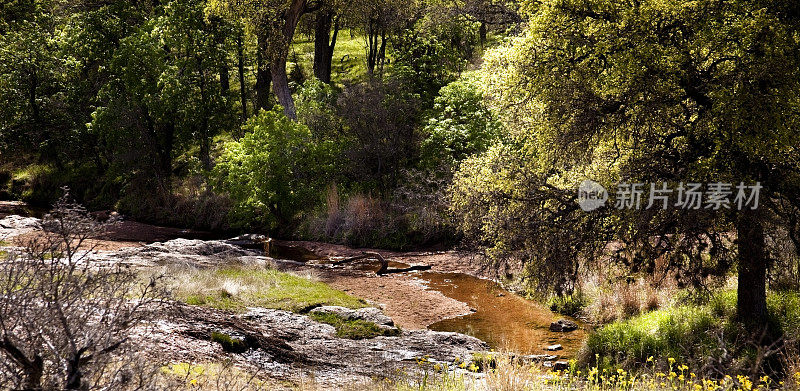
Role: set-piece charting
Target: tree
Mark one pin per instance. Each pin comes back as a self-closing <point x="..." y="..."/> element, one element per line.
<point x="651" y="91"/>
<point x="326" y="31"/>
<point x="62" y="318"/>
<point x="274" y="22"/>
<point x="379" y="20"/>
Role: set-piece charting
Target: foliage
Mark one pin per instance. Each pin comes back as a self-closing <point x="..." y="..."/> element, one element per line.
<point x="236" y="288"/>
<point x="425" y="62"/>
<point x="459" y="125"/>
<point x="380" y="117"/>
<point x="570" y="305"/>
<point x="652" y="92"/>
<point x="275" y="171"/>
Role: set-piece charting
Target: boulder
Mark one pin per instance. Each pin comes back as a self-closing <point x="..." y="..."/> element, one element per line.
<point x="560" y="366"/>
<point x="554" y="347"/>
<point x="563" y="325"/>
<point x="19" y="222"/>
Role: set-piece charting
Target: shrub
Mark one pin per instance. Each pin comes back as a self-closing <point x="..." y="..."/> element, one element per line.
<point x="570" y="305"/>
<point x="275" y="171"/>
<point x="460" y="124"/>
<point x="380" y="117"/>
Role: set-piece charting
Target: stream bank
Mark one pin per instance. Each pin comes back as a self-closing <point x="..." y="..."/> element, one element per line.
<point x="436" y="309"/>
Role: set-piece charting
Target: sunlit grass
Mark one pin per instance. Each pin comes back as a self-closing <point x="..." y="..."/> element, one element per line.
<point x="698" y="332"/>
<point x="349" y="57"/>
<point x="236" y="288"/>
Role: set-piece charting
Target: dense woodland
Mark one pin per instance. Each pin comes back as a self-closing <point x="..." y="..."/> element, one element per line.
<point x="402" y="124"/>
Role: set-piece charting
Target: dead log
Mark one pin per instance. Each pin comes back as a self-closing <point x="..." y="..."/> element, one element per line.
<point x="384" y="263"/>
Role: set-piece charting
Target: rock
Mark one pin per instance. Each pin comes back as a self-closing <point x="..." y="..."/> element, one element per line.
<point x="191" y="252"/>
<point x="563" y="325"/>
<point x="250" y="241"/>
<point x="317" y="342"/>
<point x="560" y="366"/>
<point x="368" y="314"/>
<point x="17" y="225"/>
<point x="537" y="358"/>
<point x="19" y="222"/>
<point x="554" y="347"/>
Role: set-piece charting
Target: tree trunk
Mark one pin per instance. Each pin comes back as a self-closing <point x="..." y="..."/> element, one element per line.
<point x="263" y="77"/>
<point x="240" y="66"/>
<point x="280" y="80"/>
<point x="324" y="45"/>
<point x="751" y="307"/>
<point x="372" y="46"/>
<point x="224" y="79"/>
<point x="281" y="87"/>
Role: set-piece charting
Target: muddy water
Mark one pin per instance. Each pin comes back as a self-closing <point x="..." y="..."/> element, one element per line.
<point x="502" y="319"/>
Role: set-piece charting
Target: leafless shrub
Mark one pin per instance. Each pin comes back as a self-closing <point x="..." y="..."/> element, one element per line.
<point x="65" y="323"/>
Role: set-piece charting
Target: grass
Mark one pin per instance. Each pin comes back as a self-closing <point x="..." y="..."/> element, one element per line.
<point x="229" y="344"/>
<point x="235" y="288"/>
<point x="570" y="305"/>
<point x="511" y="375"/>
<point x="353" y="328"/>
<point x="349" y="57"/>
<point x="701" y="333"/>
<point x="214" y="376"/>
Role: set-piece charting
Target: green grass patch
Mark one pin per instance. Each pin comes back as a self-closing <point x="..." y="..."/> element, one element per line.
<point x="236" y="288"/>
<point x="353" y="329"/>
<point x="229" y="344"/>
<point x="690" y="332"/>
<point x="569" y="305"/>
<point x="349" y="57"/>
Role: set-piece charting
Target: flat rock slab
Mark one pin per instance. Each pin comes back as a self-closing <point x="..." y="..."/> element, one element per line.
<point x="368" y="314"/>
<point x="15" y="225"/>
<point x="555" y="347"/>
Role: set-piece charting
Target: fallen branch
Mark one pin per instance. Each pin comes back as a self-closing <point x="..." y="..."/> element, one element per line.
<point x="384" y="264"/>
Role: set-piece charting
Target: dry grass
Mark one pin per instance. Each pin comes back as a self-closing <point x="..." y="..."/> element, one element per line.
<point x="621" y="299"/>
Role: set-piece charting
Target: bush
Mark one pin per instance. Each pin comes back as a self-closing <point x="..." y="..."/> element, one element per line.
<point x="380" y="117"/>
<point x="570" y="305"/>
<point x="460" y="124"/>
<point x="275" y="171"/>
